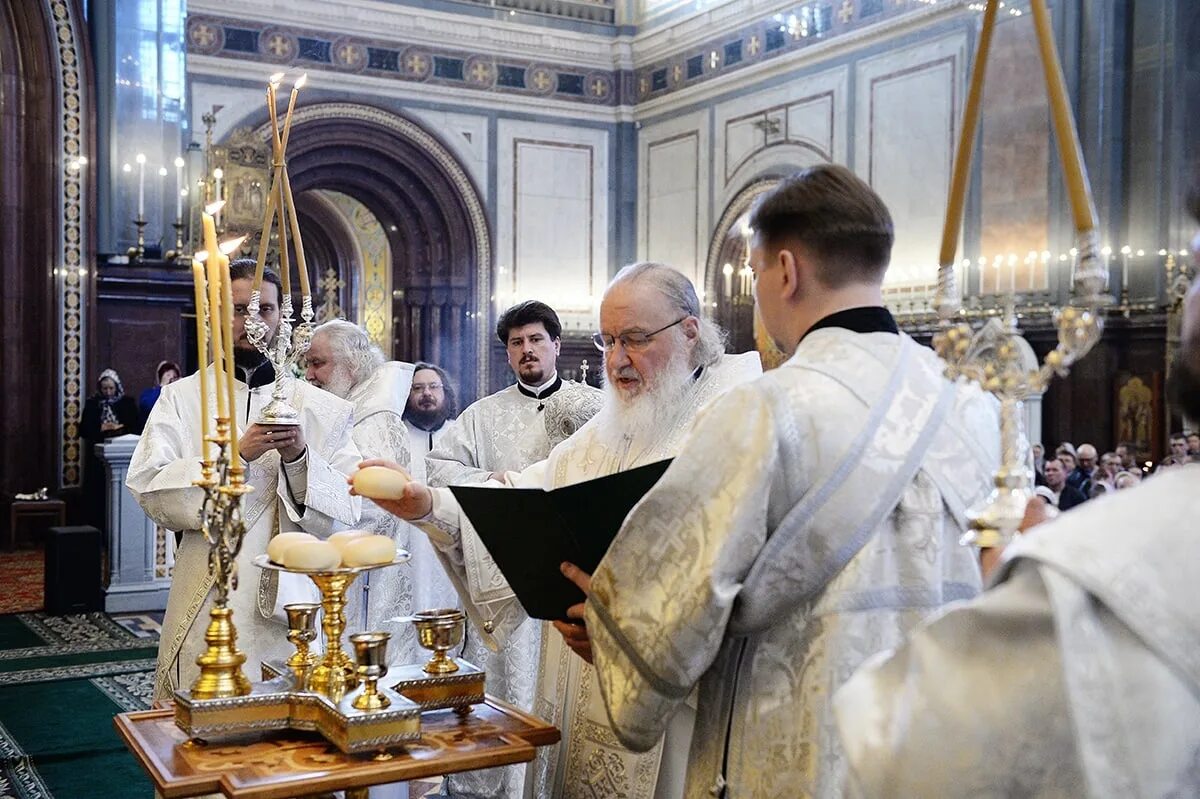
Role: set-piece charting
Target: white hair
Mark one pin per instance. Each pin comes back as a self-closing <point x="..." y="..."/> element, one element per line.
<point x="681" y="295"/>
<point x="353" y="348"/>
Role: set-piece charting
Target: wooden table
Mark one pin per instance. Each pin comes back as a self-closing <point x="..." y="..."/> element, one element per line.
<point x="292" y="764"/>
<point x="22" y="509"/>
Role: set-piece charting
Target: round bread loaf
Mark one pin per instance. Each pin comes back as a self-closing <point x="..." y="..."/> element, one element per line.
<point x="369" y="551"/>
<point x="312" y="556"/>
<point x="345" y="537"/>
<point x="280" y="543"/>
<point x="380" y="482"/>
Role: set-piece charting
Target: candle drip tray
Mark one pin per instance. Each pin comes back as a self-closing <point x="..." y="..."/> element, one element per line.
<point x="276" y="704"/>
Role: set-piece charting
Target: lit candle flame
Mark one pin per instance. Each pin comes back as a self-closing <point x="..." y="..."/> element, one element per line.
<point x="179" y="161"/>
<point x="213" y="208"/>
<point x="200" y="256"/>
<point x="300" y="81"/>
<point x="275" y="79"/>
<point x="231" y="245"/>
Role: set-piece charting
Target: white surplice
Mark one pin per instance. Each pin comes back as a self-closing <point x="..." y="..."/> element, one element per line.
<point x="1077" y="674"/>
<point x="421" y="584"/>
<point x="312" y="493"/>
<point x="589" y="761"/>
<point x="503" y="432"/>
<point x="420" y="444"/>
<point x="810" y="519"/>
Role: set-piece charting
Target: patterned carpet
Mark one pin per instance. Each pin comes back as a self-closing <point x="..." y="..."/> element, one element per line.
<point x="62" y="678"/>
<point x="21" y="573"/>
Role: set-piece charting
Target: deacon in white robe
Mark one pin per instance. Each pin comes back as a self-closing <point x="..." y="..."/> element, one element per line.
<point x="506" y="431"/>
<point x="343" y="361"/>
<point x="809" y="520"/>
<point x="308" y="494"/>
<point x="1077" y="674"/>
<point x="663" y="363"/>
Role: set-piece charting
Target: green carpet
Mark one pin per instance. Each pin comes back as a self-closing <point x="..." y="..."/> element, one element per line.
<point x="62" y="679"/>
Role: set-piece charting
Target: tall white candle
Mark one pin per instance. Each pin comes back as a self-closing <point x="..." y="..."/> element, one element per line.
<point x="180" y="191"/>
<point x="141" y="162"/>
<point x="218" y="173"/>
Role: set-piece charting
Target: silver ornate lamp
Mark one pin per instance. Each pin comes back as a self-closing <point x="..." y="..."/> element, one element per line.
<point x="990" y="355"/>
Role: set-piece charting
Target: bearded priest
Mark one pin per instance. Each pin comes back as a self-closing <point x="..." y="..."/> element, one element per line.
<point x="663" y="362"/>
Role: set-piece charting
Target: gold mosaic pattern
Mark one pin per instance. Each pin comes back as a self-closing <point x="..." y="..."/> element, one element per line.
<point x="71" y="266"/>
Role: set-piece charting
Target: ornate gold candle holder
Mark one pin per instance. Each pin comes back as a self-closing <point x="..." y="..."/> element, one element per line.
<point x="222" y="526"/>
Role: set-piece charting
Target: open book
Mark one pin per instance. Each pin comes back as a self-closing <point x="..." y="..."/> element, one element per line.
<point x="529" y="532"/>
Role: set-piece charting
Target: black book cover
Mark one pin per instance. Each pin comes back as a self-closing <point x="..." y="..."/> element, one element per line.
<point x="529" y="532"/>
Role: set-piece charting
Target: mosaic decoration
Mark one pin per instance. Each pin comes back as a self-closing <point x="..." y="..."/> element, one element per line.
<point x="374" y="303"/>
<point x="71" y="241"/>
<point x="402" y="61"/>
<point x="770" y="37"/>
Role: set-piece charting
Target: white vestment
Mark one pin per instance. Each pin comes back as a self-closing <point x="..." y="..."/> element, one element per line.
<point x="1077" y="674"/>
<point x="420" y="443"/>
<point x="421" y="584"/>
<point x="810" y="519"/>
<point x="503" y="432"/>
<point x="589" y="761"/>
<point x="313" y="494"/>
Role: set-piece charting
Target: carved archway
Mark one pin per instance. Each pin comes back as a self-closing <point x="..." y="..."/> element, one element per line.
<point x="433" y="217"/>
<point x="731" y="303"/>
<point x="329" y="243"/>
<point x="45" y="248"/>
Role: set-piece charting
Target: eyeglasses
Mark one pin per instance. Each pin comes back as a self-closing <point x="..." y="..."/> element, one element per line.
<point x="419" y="388"/>
<point x="632" y="340"/>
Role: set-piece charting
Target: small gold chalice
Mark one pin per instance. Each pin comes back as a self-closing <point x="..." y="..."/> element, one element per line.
<point x="302" y="630"/>
<point x="439" y="631"/>
<point x="370" y="650"/>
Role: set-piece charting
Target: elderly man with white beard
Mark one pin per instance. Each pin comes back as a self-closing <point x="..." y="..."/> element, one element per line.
<point x="663" y="362"/>
<point x="343" y="361"/>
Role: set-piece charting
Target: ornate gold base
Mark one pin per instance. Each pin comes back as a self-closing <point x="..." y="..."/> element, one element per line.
<point x="221" y="664"/>
<point x="277" y="705"/>
<point x="458" y="689"/>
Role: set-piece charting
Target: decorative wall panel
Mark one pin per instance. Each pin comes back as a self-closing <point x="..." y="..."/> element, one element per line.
<point x="906" y="118"/>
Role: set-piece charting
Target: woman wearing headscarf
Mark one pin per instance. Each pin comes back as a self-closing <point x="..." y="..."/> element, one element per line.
<point x="167" y="373"/>
<point x="106" y="414"/>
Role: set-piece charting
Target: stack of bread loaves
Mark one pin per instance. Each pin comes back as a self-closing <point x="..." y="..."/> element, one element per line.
<point x="349" y="548"/>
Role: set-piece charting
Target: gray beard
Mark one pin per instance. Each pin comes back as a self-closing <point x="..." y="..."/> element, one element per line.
<point x="341" y="384"/>
<point x="651" y="411"/>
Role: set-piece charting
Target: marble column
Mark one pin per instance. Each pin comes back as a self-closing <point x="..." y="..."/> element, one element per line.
<point x="139" y="554"/>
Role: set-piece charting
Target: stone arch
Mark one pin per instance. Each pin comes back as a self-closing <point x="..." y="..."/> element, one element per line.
<point x="434" y="217"/>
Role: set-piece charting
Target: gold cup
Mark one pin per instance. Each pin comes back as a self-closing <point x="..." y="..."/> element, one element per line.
<point x="439" y="631"/>
<point x="370" y="650"/>
<point x="302" y="630"/>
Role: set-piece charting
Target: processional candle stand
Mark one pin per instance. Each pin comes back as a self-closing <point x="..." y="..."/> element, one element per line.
<point x="288" y="346"/>
<point x="991" y="354"/>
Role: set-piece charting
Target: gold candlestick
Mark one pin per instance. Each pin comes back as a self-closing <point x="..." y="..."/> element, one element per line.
<point x="222" y="526"/>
